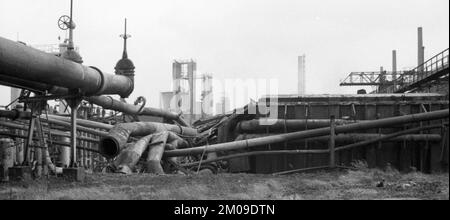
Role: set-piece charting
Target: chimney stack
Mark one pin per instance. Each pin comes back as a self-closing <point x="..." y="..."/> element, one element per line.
<point x="421" y="48"/>
<point x="301" y="75"/>
<point x="394" y="64"/>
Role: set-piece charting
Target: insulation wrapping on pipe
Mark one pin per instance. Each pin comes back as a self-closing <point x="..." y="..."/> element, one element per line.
<point x="21" y="62"/>
<point x="442" y="114"/>
<point x="114" y="142"/>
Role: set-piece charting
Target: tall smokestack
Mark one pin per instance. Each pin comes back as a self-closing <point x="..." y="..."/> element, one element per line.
<point x="301" y="75"/>
<point x="394" y="64"/>
<point x="421" y="48"/>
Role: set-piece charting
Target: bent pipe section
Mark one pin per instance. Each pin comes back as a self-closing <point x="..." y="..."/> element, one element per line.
<point x="113" y="143"/>
<point x="112" y="104"/>
<point x="29" y="64"/>
<point x="129" y="157"/>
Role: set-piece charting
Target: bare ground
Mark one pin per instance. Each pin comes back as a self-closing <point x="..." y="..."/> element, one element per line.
<point x="340" y="185"/>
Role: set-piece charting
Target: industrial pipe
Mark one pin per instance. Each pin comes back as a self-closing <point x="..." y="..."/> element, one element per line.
<point x="375" y="139"/>
<point x="259" y="125"/>
<point x="156" y="153"/>
<point x="31" y="86"/>
<point x="79" y="128"/>
<point x="21" y="62"/>
<point x="387" y="137"/>
<point x="59" y="143"/>
<point x="442" y="114"/>
<point x="52" y="132"/>
<point x="130" y="156"/>
<point x="81" y="122"/>
<point x="115" y="140"/>
<point x="63" y="143"/>
<point x="15" y="114"/>
<point x="47" y="160"/>
<point x="355" y="137"/>
<point x="109" y="103"/>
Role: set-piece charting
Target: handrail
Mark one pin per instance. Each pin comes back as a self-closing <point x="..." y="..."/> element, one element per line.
<point x="425" y="70"/>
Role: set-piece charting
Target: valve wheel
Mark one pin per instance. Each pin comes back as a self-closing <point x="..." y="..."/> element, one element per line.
<point x="64" y="22"/>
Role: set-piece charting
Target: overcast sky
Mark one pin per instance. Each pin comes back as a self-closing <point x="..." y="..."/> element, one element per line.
<point x="243" y="39"/>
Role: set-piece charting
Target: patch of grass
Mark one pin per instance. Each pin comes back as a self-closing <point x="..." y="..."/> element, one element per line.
<point x="352" y="184"/>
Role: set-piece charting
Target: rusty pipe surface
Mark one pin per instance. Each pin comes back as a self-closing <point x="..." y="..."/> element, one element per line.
<point x="442" y="114"/>
<point x="129" y="157"/>
<point x="29" y="64"/>
<point x="109" y="103"/>
<point x="261" y="125"/>
<point x="115" y="140"/>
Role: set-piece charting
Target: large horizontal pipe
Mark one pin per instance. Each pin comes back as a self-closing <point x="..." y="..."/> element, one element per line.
<point x="291" y="124"/>
<point x="294" y="152"/>
<point x="15" y="114"/>
<point x="387" y="137"/>
<point x="354" y="137"/>
<point x="442" y="114"/>
<point x="81" y="122"/>
<point x="22" y="62"/>
<point x="115" y="140"/>
<point x="108" y="102"/>
<point x="31" y="86"/>
<point x="68" y="125"/>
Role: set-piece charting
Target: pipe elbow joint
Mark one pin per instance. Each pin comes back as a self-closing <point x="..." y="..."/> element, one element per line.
<point x="112" y="144"/>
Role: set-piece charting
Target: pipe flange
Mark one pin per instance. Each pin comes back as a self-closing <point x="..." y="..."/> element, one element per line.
<point x="102" y="84"/>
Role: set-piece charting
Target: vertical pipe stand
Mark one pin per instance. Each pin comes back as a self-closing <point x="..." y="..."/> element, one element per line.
<point x="74" y="172"/>
<point x="332" y="142"/>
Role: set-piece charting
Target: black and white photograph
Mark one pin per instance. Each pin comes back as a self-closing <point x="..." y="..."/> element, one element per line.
<point x="241" y="103"/>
